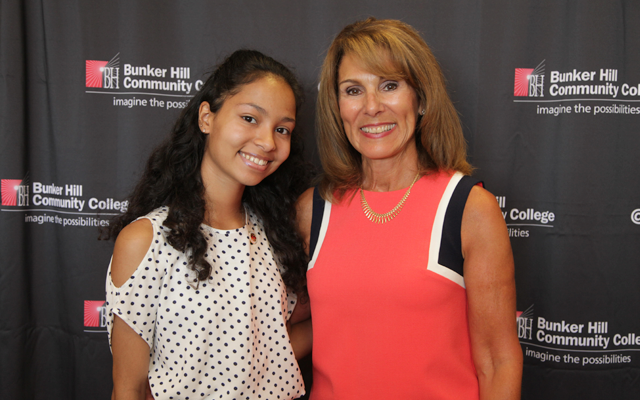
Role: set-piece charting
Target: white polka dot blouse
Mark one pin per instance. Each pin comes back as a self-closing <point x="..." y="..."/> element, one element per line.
<point x="223" y="338"/>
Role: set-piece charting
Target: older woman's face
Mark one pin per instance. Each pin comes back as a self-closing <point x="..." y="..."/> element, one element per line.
<point x="378" y="114"/>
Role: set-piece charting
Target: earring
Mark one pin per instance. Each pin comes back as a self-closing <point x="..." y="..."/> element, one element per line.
<point x="423" y="111"/>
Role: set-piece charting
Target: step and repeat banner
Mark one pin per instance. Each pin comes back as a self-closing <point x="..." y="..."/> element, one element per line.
<point x="549" y="95"/>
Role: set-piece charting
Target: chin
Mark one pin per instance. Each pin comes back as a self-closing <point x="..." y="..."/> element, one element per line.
<point x="377" y="155"/>
<point x="254" y="180"/>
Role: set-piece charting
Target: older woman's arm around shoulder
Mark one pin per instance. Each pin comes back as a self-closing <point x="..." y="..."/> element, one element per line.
<point x="304" y="211"/>
<point x="491" y="296"/>
<point x="300" y="328"/>
<point x="130" y="351"/>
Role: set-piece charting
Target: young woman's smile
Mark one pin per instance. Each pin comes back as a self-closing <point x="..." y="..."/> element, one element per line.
<point x="254" y="160"/>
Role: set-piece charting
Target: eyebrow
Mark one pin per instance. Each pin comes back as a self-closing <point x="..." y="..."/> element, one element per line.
<point x="348" y="81"/>
<point x="264" y="112"/>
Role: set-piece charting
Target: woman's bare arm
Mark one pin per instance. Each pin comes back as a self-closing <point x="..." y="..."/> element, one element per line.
<point x="491" y="296"/>
<point x="130" y="351"/>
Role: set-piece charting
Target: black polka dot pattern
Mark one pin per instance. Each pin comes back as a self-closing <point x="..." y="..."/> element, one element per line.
<point x="223" y="338"/>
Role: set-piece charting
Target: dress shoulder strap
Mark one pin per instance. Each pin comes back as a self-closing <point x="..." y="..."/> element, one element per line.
<point x="316" y="220"/>
<point x="446" y="250"/>
<point x="319" y="223"/>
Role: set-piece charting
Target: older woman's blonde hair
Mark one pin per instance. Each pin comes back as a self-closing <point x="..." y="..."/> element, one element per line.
<point x="394" y="50"/>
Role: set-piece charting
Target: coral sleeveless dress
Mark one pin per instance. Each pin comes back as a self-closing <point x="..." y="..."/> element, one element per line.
<point x="388" y="301"/>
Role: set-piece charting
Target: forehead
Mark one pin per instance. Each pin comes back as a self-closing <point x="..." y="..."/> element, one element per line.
<point x="266" y="86"/>
<point x="269" y="94"/>
<point x="376" y="61"/>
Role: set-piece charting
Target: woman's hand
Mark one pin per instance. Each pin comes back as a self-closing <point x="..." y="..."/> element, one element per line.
<point x="491" y="296"/>
<point x="300" y="329"/>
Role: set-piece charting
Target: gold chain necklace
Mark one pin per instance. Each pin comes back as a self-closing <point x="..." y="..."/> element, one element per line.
<point x="388" y="216"/>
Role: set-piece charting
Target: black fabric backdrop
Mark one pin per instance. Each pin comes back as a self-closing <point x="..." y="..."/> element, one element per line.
<point x="562" y="162"/>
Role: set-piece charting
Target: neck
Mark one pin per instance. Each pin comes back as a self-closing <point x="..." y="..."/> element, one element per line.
<point x="223" y="203"/>
<point x="389" y="174"/>
<point x="222" y="214"/>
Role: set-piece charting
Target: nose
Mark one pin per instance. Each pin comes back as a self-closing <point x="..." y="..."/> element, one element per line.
<point x="265" y="140"/>
<point x="373" y="105"/>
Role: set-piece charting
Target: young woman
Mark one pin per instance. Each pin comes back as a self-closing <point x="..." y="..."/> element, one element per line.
<point x="197" y="303"/>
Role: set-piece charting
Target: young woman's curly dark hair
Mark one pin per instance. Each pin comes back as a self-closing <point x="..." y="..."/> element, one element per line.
<point x="172" y="175"/>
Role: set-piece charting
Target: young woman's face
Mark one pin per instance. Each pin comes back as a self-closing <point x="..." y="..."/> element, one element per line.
<point x="378" y="114"/>
<point x="249" y="136"/>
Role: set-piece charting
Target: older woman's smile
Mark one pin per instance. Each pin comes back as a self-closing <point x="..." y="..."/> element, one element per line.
<point x="376" y="129"/>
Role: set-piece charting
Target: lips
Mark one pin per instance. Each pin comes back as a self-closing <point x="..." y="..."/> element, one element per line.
<point x="377" y="129"/>
<point x="253" y="159"/>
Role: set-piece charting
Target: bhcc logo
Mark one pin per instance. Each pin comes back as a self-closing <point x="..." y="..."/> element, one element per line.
<point x="103" y="74"/>
<point x="529" y="82"/>
<point x="525" y="323"/>
<point x="95" y="314"/>
<point x="15" y="192"/>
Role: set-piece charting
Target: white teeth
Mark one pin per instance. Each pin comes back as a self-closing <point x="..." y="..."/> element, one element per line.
<point x="254" y="159"/>
<point x="378" y="129"/>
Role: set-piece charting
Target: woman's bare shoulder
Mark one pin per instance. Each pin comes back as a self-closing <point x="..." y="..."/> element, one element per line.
<point x="482" y="206"/>
<point x="485" y="239"/>
<point x="131" y="246"/>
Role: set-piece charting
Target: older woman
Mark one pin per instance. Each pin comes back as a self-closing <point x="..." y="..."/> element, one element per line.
<point x="411" y="277"/>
